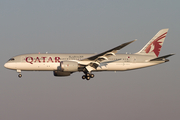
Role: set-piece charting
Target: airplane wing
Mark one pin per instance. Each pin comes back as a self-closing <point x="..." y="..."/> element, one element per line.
<point x="103" y="56"/>
<point x="94" y="61"/>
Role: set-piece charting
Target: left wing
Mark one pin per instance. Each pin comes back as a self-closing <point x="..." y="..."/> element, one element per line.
<point x="104" y="56"/>
<point x="94" y="61"/>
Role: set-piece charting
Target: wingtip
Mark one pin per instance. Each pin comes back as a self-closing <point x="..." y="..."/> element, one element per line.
<point x="130" y="41"/>
<point x="134" y="40"/>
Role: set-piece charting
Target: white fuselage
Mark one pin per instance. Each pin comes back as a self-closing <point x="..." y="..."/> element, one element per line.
<point x="50" y="62"/>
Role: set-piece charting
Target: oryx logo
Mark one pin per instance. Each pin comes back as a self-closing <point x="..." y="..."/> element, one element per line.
<point x="156" y="45"/>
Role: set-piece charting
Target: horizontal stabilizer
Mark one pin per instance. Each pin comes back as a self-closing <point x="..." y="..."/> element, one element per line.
<point x="162" y="58"/>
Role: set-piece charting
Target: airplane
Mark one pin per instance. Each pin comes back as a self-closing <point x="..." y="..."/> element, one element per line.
<point x="66" y="64"/>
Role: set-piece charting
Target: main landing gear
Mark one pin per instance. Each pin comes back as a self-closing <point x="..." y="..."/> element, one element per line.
<point x="87" y="76"/>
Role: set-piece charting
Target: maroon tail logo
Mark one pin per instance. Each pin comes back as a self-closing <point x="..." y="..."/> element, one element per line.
<point x="156" y="43"/>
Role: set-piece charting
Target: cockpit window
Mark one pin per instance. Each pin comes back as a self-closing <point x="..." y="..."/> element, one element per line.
<point x="11" y="59"/>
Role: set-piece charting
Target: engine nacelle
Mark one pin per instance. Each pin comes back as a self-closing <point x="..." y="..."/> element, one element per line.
<point x="68" y="66"/>
<point x="59" y="73"/>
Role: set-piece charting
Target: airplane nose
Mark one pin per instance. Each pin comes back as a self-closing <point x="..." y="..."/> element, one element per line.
<point x="9" y="66"/>
<point x="6" y="65"/>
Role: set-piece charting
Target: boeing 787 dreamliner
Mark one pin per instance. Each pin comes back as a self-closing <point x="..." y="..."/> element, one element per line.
<point x="66" y="64"/>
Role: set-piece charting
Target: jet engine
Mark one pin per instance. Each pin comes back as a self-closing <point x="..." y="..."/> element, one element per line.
<point x="68" y="66"/>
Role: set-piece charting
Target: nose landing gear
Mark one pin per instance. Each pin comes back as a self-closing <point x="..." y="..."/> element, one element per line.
<point x="20" y="75"/>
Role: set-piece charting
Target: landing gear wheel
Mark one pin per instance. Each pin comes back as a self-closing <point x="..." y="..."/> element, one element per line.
<point x="20" y="75"/>
<point x="83" y="77"/>
<point x="87" y="78"/>
<point x="92" y="75"/>
<point x="88" y="75"/>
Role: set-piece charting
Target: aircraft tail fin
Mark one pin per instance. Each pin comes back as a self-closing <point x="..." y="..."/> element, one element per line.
<point x="153" y="47"/>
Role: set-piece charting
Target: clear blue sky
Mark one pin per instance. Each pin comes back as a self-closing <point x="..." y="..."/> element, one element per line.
<point x="89" y="26"/>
